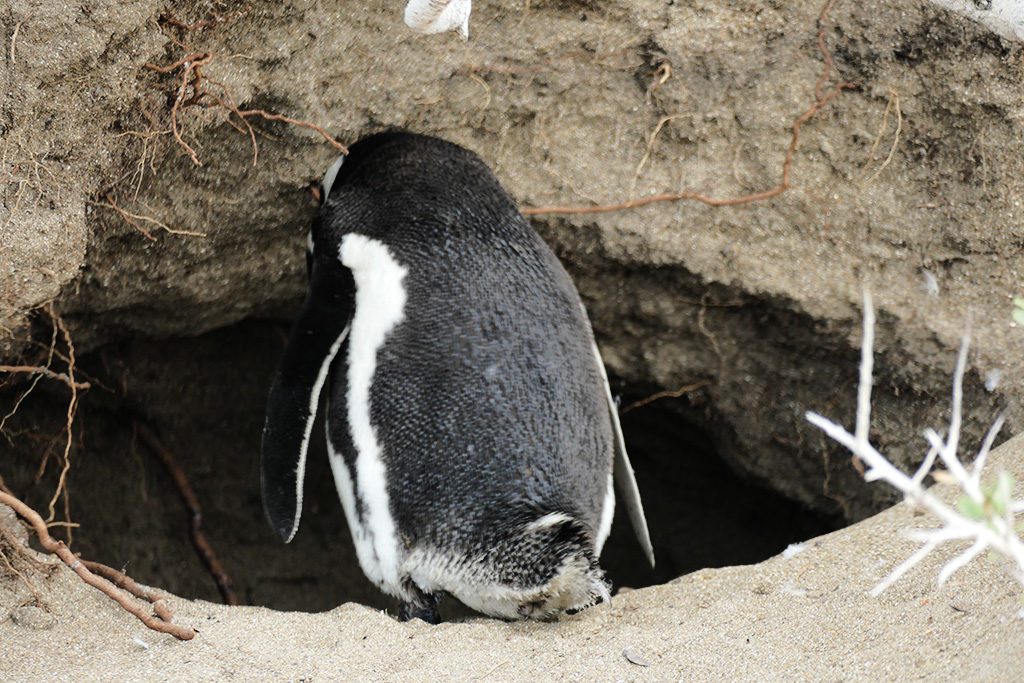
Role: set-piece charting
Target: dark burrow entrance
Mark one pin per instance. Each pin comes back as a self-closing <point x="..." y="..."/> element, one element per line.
<point x="204" y="397"/>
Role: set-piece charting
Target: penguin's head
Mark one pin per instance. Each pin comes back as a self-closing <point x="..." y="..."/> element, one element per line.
<point x="344" y="168"/>
<point x="347" y="165"/>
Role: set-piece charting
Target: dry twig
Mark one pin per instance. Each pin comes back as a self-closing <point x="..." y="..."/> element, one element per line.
<point x="160" y="622"/>
<point x="984" y="515"/>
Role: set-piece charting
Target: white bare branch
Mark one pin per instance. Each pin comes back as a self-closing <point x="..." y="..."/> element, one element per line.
<point x="984" y="515"/>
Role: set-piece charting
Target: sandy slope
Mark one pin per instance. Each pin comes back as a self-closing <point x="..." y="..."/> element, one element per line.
<point x="806" y="617"/>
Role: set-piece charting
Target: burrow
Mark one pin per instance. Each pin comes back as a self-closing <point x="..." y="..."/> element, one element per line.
<point x="729" y="470"/>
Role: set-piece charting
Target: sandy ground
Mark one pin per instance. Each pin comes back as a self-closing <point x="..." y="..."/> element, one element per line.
<point x="804" y="617"/>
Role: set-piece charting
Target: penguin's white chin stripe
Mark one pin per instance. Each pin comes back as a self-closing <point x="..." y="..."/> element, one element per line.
<point x="380" y="306"/>
<point x="314" y="401"/>
<point x="328" y="181"/>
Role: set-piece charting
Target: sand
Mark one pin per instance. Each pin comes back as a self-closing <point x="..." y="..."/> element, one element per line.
<point x="806" y="617"/>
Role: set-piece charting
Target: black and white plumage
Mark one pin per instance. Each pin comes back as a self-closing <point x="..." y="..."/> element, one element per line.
<point x="470" y="427"/>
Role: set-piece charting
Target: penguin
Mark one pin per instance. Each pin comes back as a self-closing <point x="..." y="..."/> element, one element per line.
<point x="471" y="431"/>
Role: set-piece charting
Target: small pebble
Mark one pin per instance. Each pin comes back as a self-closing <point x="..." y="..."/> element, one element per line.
<point x="992" y="378"/>
<point x="793" y="549"/>
<point x="634" y="657"/>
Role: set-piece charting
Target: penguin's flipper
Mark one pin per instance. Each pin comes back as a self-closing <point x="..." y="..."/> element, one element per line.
<point x="315" y="339"/>
<point x="625" y="480"/>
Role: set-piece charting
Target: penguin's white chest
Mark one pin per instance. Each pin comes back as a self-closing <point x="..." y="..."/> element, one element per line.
<point x="379" y="307"/>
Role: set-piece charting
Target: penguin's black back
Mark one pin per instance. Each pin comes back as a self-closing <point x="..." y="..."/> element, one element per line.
<point x="487" y="400"/>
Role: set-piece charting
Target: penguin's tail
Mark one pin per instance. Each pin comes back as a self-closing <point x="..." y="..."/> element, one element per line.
<point x="539" y="564"/>
<point x="569" y="577"/>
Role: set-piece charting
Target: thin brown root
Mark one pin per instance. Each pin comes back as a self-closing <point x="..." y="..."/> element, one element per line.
<point x="45" y="372"/>
<point x="135" y="220"/>
<point x="702" y="326"/>
<point x="161" y="622"/>
<point x="49" y="359"/>
<point x="297" y="122"/>
<point x="195" y="510"/>
<point x="18" y="573"/>
<point x="647" y="152"/>
<point x="213" y="20"/>
<point x="674" y="393"/>
<point x="233" y="109"/>
<point x="190" y="92"/>
<point x="72" y="409"/>
<point x="894" y="103"/>
<point x="190" y="75"/>
<point x="662" y="74"/>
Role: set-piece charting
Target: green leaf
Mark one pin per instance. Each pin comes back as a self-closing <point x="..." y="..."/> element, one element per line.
<point x="1018" y="301"/>
<point x="1018" y="315"/>
<point x="969" y="508"/>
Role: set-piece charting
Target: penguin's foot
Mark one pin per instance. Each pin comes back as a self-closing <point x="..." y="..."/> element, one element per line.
<point x="422" y="606"/>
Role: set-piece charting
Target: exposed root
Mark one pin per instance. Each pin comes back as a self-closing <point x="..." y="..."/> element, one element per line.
<point x="14" y="40"/>
<point x="191" y="91"/>
<point x="672" y="393"/>
<point x="213" y="20"/>
<point x="148" y="155"/>
<point x="822" y="98"/>
<point x="702" y="326"/>
<point x="39" y="370"/>
<point x="647" y="152"/>
<point x="190" y="66"/>
<point x="159" y="621"/>
<point x="892" y="105"/>
<point x="18" y="573"/>
<point x="195" y="510"/>
<point x="661" y="76"/>
<point x="45" y="372"/>
<point x="136" y="220"/>
<point x="296" y="122"/>
<point x="62" y="488"/>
